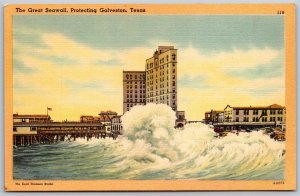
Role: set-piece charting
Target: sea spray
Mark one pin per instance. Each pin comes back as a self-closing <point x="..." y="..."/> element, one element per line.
<point x="151" y="148"/>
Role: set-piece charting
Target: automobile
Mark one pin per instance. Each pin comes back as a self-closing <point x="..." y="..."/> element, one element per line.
<point x="224" y="133"/>
<point x="277" y="136"/>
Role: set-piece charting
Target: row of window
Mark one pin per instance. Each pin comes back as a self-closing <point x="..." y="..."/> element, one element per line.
<point x="162" y="86"/>
<point x="136" y="96"/>
<point x="136" y="91"/>
<point x="135" y="100"/>
<point x="135" y="87"/>
<point x="161" y="92"/>
<point x="116" y="127"/>
<point x="141" y="82"/>
<point x="130" y="76"/>
<point x="255" y="112"/>
<point x="161" y="61"/>
<point x="156" y="69"/>
<point x="160" y="80"/>
<point x="256" y="119"/>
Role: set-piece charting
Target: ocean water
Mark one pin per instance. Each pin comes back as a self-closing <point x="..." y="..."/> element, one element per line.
<point x="151" y="148"/>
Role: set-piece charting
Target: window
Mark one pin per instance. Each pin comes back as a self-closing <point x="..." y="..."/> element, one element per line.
<point x="255" y="112"/>
<point x="15" y="129"/>
<point x="272" y="112"/>
<point x="173" y="57"/>
<point x="245" y="119"/>
<point x="246" y="112"/>
<point x="32" y="128"/>
<point x="237" y="119"/>
<point x="237" y="112"/>
<point x="173" y="83"/>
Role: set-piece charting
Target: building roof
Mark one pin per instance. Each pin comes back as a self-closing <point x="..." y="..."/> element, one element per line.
<point x="273" y="106"/>
<point x="30" y="116"/>
<point x="217" y="111"/>
<point x="119" y="116"/>
<point x="108" y="112"/>
<point x="96" y="118"/>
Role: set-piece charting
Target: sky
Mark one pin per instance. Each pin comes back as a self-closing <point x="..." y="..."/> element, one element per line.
<point x="74" y="63"/>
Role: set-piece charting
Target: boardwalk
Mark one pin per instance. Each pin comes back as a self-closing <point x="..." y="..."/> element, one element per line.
<point x="51" y="132"/>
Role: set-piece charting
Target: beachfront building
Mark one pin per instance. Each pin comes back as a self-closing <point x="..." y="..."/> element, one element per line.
<point x="90" y="119"/>
<point x="116" y="125"/>
<point x="134" y="89"/>
<point x="31" y="118"/>
<point x="161" y="77"/>
<point x="272" y="113"/>
<point x="220" y="117"/>
<point x="212" y="116"/>
<point x="105" y="118"/>
<point x="22" y="123"/>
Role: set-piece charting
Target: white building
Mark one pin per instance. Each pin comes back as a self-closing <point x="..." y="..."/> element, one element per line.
<point x="116" y="125"/>
<point x="272" y="113"/>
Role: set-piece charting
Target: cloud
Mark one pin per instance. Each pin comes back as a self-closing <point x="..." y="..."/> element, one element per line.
<point x="74" y="78"/>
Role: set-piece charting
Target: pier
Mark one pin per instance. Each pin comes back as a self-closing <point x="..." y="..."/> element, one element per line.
<point x="25" y="133"/>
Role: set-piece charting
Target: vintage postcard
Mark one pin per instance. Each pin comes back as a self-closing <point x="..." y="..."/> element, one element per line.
<point x="133" y="97"/>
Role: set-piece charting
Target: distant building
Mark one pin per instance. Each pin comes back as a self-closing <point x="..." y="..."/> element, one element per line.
<point x="31" y="118"/>
<point x="90" y="119"/>
<point x="105" y="117"/>
<point x="134" y="89"/>
<point x="116" y="125"/>
<point x="157" y="84"/>
<point x="272" y="113"/>
<point x="220" y="117"/>
<point x="161" y="77"/>
<point x="180" y="119"/>
<point x="212" y="116"/>
<point x="20" y="119"/>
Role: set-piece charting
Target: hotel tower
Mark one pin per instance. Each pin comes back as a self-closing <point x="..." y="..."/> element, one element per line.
<point x="157" y="84"/>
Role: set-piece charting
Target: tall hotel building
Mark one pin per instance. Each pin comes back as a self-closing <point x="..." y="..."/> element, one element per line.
<point x="161" y="77"/>
<point x="157" y="84"/>
<point x="134" y="89"/>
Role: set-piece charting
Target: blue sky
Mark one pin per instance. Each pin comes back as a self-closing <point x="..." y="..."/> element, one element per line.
<point x="237" y="60"/>
<point x="213" y="33"/>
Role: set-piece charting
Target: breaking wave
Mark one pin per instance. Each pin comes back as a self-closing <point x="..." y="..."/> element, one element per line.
<point x="151" y="148"/>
